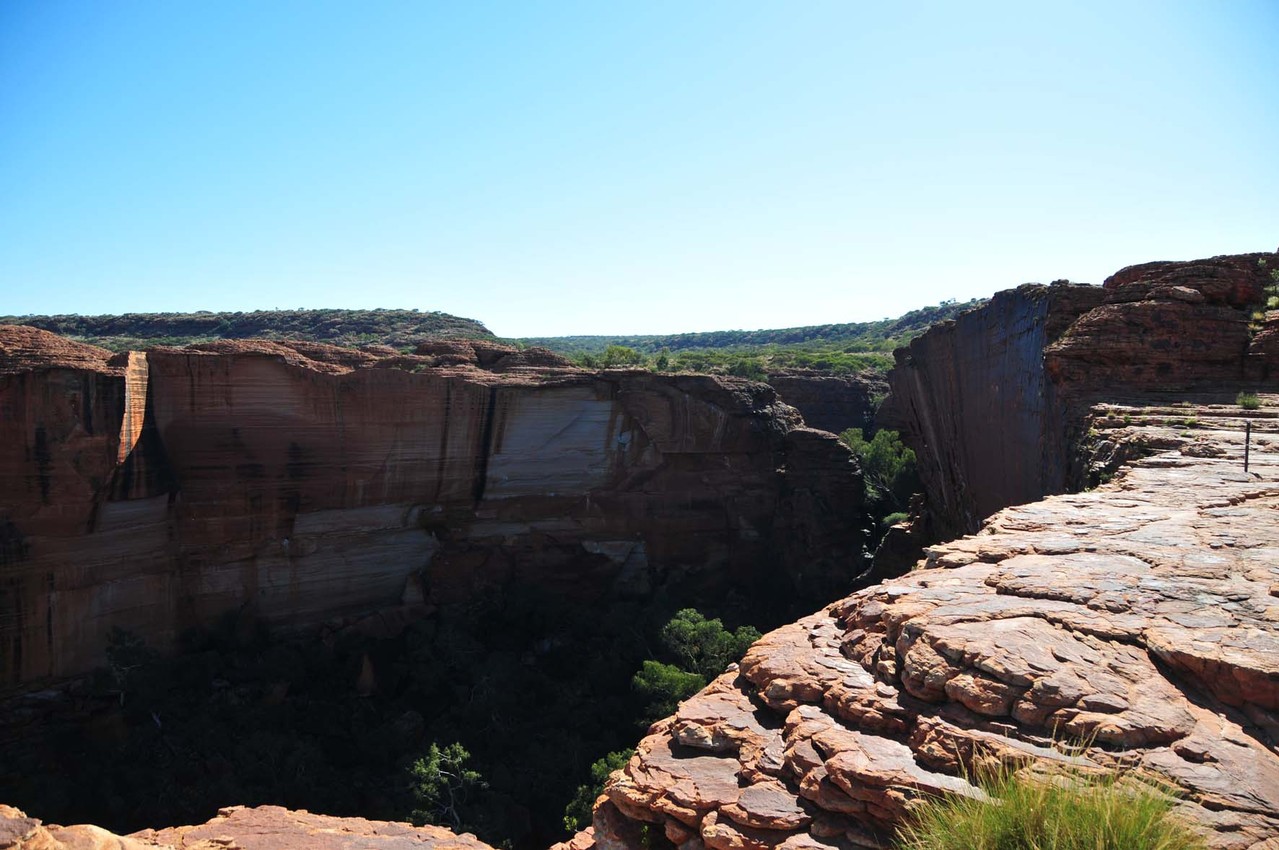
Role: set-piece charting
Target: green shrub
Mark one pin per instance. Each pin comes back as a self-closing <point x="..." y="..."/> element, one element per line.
<point x="442" y="785"/>
<point x="894" y="518"/>
<point x="621" y="355"/>
<point x="888" y="467"/>
<point x="665" y="686"/>
<point x="704" y="646"/>
<point x="577" y="815"/>
<point x="1065" y="812"/>
<point x="701" y="649"/>
<point x="1248" y="401"/>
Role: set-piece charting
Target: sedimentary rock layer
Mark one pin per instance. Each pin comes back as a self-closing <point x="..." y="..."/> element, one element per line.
<point x="832" y="403"/>
<point x="1140" y="619"/>
<point x="993" y="402"/>
<point x="237" y="828"/>
<point x="155" y="492"/>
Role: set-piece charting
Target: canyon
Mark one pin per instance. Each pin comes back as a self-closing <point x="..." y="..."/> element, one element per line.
<point x="1107" y="600"/>
<point x="155" y="491"/>
<point x="1128" y="628"/>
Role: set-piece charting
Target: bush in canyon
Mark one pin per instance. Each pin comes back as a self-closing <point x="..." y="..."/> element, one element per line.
<point x="700" y="648"/>
<point x="704" y="646"/>
<point x="888" y="468"/>
<point x="664" y="687"/>
<point x="443" y="787"/>
<point x="577" y="815"/>
<point x="1059" y="812"/>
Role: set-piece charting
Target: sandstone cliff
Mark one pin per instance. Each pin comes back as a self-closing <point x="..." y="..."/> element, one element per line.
<point x="153" y="492"/>
<point x="993" y="402"/>
<point x="832" y="403"/>
<point x="1140" y="617"/>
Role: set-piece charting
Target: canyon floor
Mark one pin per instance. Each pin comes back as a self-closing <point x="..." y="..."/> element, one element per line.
<point x="1141" y="617"/>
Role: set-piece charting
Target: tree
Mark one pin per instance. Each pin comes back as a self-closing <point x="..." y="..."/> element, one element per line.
<point x="704" y="646"/>
<point x="888" y="467"/>
<point x="620" y="355"/>
<point x="577" y="815"/>
<point x="665" y="686"/>
<point x="441" y="785"/>
<point x="701" y="648"/>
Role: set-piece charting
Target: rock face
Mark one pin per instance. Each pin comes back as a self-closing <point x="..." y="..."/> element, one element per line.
<point x="301" y="482"/>
<point x="1140" y="617"/>
<point x="993" y="402"/>
<point x="830" y="402"/>
<point x="237" y="828"/>
<point x="973" y="399"/>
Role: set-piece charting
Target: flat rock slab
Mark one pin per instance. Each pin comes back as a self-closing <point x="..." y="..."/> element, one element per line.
<point x="238" y="828"/>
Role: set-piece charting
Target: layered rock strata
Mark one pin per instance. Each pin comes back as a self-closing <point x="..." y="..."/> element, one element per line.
<point x="154" y="492"/>
<point x="832" y="403"/>
<point x="1141" y="618"/>
<point x="993" y="402"/>
<point x="237" y="828"/>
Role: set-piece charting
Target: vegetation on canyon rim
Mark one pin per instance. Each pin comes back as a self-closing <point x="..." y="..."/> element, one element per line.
<point x="841" y="349"/>
<point x="1060" y="812"/>
<point x="844" y="349"/>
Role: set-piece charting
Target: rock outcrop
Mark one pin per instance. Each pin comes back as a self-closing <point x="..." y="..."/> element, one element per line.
<point x="1139" y="618"/>
<point x="154" y="492"/>
<point x="994" y="402"/>
<point x="832" y="403"/>
<point x="973" y="399"/>
<point x="237" y="828"/>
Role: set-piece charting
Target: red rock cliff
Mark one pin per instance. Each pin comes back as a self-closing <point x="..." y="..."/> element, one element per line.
<point x="304" y="482"/>
<point x="1139" y="617"/>
<point x="993" y="401"/>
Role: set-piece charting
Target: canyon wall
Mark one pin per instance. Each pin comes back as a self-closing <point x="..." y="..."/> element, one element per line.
<point x="992" y="402"/>
<point x="832" y="403"/>
<point x="302" y="483"/>
<point x="1132" y="629"/>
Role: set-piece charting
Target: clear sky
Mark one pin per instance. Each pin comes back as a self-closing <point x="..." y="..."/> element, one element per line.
<point x="608" y="167"/>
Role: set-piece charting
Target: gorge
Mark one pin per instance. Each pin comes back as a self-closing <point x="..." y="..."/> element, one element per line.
<point x="356" y="491"/>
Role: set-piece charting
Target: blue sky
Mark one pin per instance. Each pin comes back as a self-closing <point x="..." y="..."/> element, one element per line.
<point x="600" y="167"/>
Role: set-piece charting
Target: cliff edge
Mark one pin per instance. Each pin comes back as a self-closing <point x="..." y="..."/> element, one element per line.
<point x="156" y="491"/>
<point x="1141" y="617"/>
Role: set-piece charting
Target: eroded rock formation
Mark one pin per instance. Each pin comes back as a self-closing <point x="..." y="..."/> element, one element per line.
<point x="832" y="403"/>
<point x="237" y="828"/>
<point x="1140" y="617"/>
<point x="993" y="402"/>
<point x="153" y="492"/>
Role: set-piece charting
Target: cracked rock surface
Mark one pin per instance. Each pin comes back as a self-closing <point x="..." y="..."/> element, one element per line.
<point x="1142" y="617"/>
<point x="237" y="828"/>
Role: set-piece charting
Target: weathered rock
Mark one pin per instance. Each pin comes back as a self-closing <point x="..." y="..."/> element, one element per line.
<point x="237" y="828"/>
<point x="1130" y="627"/>
<point x="830" y="402"/>
<point x="973" y="400"/>
<point x="301" y="482"/>
<point x="1236" y="280"/>
<point x="993" y="403"/>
